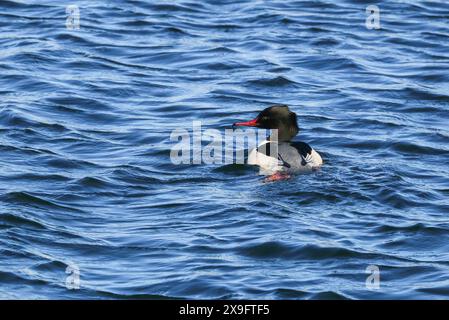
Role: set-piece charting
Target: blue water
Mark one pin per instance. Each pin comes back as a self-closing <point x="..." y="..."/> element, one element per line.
<point x="86" y="179"/>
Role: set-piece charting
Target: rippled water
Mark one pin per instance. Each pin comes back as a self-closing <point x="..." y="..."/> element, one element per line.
<point x="87" y="181"/>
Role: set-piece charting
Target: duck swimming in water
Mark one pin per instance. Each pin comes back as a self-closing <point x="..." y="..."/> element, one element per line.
<point x="279" y="156"/>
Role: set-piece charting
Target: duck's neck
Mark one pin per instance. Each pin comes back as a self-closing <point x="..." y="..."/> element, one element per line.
<point x="284" y="134"/>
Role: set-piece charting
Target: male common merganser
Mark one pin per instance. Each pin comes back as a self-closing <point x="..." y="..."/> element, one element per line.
<point x="292" y="157"/>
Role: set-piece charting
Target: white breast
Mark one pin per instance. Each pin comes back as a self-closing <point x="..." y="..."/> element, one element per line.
<point x="289" y="159"/>
<point x="268" y="165"/>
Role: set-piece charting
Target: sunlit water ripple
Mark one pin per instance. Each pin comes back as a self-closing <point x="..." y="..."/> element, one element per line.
<point x="86" y="177"/>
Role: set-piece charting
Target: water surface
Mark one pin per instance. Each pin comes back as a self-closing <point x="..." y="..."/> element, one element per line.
<point x="86" y="178"/>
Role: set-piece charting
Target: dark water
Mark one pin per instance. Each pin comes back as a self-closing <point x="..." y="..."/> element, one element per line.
<point x="86" y="178"/>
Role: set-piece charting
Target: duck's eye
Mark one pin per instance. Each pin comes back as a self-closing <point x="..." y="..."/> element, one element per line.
<point x="264" y="118"/>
